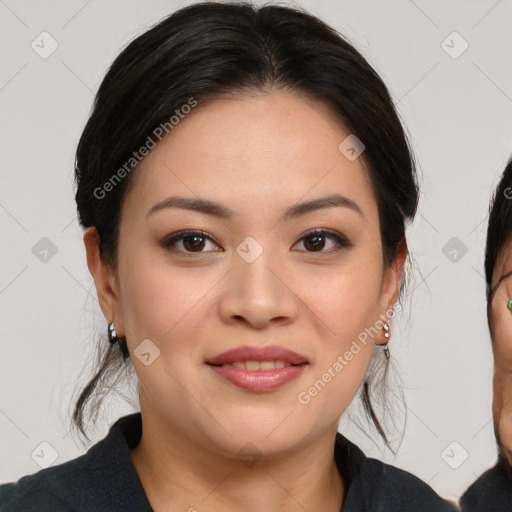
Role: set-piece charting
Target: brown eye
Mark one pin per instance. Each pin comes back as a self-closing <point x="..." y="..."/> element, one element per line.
<point x="192" y="242"/>
<point x="315" y="241"/>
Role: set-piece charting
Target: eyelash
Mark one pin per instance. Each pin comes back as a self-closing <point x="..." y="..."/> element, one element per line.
<point x="341" y="241"/>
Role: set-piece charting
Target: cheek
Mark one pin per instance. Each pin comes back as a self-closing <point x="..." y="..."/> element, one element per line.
<point x="348" y="309"/>
<point x="347" y="299"/>
<point x="502" y="334"/>
<point x="159" y="300"/>
<point x="172" y="305"/>
<point x="502" y="352"/>
<point x="502" y="407"/>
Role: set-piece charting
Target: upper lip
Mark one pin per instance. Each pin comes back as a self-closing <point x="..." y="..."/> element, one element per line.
<point x="248" y="353"/>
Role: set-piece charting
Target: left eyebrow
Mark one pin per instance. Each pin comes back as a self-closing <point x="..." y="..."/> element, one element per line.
<point x="211" y="208"/>
<point x="334" y="200"/>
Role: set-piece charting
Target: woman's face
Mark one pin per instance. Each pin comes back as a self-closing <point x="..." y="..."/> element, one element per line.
<point x="501" y="331"/>
<point x="253" y="279"/>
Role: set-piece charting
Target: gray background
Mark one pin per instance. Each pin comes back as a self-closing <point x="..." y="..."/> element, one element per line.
<point x="458" y="112"/>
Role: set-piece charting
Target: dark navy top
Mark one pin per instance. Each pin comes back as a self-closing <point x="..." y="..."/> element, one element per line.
<point x="104" y="479"/>
<point x="492" y="492"/>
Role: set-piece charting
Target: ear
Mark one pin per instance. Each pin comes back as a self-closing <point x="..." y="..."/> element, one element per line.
<point x="390" y="288"/>
<point x="105" y="280"/>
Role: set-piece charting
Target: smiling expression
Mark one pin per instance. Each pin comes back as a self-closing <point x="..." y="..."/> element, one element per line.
<point x="227" y="239"/>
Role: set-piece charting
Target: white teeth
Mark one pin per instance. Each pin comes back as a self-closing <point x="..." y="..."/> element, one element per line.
<point x="252" y="365"/>
<point x="258" y="365"/>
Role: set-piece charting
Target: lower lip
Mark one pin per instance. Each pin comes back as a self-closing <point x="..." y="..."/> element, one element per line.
<point x="259" y="380"/>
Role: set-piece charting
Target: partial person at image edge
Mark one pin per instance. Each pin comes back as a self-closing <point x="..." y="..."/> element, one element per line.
<point x="492" y="491"/>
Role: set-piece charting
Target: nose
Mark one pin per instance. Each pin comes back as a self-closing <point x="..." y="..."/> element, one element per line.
<point x="258" y="293"/>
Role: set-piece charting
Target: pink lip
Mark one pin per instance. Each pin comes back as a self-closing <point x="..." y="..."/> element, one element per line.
<point x="247" y="353"/>
<point x="259" y="380"/>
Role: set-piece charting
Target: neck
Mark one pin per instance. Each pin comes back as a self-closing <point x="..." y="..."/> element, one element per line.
<point x="180" y="473"/>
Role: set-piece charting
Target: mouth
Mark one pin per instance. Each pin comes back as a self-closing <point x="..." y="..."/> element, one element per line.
<point x="258" y="358"/>
<point x="258" y="369"/>
<point x="254" y="366"/>
<point x="258" y="380"/>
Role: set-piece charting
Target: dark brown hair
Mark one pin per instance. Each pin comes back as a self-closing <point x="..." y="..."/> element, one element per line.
<point x="204" y="50"/>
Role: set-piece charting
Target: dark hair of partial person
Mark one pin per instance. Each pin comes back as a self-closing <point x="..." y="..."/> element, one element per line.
<point x="208" y="49"/>
<point x="499" y="231"/>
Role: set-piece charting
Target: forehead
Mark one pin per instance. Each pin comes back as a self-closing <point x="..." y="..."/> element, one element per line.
<point x="274" y="146"/>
